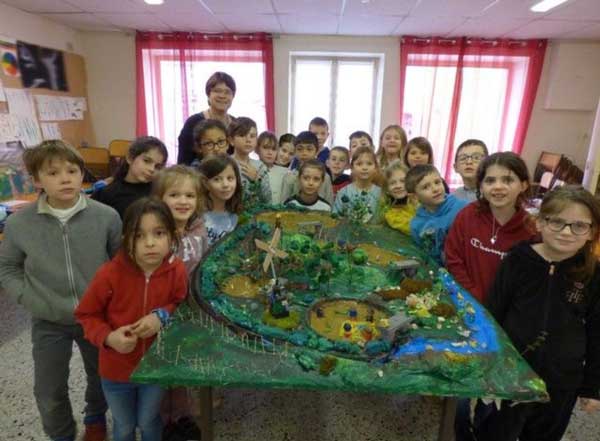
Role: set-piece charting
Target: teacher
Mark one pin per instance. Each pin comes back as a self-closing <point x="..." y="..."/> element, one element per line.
<point x="220" y="90"/>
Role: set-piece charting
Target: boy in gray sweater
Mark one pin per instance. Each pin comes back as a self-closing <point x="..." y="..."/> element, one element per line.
<point x="50" y="252"/>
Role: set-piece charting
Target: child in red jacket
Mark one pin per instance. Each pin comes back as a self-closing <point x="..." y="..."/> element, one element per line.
<point x="128" y="301"/>
<point x="486" y="229"/>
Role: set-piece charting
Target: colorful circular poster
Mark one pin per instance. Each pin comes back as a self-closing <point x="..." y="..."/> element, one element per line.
<point x="9" y="64"/>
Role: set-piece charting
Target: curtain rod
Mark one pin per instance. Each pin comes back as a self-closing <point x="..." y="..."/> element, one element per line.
<point x="491" y="42"/>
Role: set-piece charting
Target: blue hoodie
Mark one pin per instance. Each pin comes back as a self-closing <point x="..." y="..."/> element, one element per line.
<point x="429" y="230"/>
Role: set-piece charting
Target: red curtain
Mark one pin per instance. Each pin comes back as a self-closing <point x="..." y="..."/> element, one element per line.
<point x="171" y="73"/>
<point x="453" y="89"/>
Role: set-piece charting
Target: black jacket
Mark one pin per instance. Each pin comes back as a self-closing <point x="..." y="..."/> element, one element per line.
<point x="531" y="296"/>
<point x="185" y="152"/>
<point x="120" y="194"/>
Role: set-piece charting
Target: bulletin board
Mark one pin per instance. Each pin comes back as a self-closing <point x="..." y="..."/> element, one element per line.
<point x="72" y="131"/>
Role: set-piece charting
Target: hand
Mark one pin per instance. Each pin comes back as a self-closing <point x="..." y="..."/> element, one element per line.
<point x="147" y="326"/>
<point x="122" y="340"/>
<point x="589" y="404"/>
<point x="250" y="171"/>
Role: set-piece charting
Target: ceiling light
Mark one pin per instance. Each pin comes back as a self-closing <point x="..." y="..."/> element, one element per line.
<point x="154" y="2"/>
<point x="546" y="5"/>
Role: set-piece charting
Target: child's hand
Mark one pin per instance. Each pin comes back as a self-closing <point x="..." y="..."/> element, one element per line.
<point x="122" y="340"/>
<point x="147" y="326"/>
<point x="250" y="171"/>
<point x="589" y="404"/>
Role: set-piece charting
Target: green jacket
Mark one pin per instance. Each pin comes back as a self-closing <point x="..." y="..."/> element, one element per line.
<point x="46" y="266"/>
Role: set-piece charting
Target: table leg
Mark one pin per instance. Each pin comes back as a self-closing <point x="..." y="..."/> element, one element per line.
<point x="446" y="430"/>
<point x="206" y="413"/>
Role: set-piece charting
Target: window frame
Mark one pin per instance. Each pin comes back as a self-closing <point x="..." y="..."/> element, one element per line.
<point x="378" y="60"/>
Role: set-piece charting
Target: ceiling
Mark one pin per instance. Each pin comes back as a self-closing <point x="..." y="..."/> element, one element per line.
<point x="577" y="19"/>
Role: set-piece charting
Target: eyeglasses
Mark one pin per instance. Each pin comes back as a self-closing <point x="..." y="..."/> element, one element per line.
<point x="475" y="157"/>
<point x="557" y="224"/>
<point x="222" y="91"/>
<point x="210" y="145"/>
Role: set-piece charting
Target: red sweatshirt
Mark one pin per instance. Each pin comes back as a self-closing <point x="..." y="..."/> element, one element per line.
<point x="120" y="294"/>
<point x="471" y="257"/>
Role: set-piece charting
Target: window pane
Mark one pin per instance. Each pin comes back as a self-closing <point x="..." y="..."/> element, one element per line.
<point x="354" y="99"/>
<point x="427" y="105"/>
<point x="312" y="92"/>
<point x="249" y="99"/>
<point x="482" y="104"/>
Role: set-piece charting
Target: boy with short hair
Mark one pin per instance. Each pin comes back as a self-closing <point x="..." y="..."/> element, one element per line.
<point x="466" y="160"/>
<point x="311" y="175"/>
<point x="50" y="252"/>
<point x="360" y="139"/>
<point x="320" y="128"/>
<point x="338" y="162"/>
<point x="434" y="217"/>
<point x="306" y="148"/>
<point x="266" y="149"/>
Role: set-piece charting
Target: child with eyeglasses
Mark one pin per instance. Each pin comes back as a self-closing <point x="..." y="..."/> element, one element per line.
<point x="210" y="139"/>
<point x="466" y="160"/>
<point x="546" y="296"/>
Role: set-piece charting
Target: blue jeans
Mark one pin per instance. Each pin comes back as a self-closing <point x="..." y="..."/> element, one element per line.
<point x="134" y="405"/>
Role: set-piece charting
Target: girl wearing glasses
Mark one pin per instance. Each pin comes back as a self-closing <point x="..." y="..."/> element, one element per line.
<point x="485" y="230"/>
<point x="220" y="90"/>
<point x="210" y="138"/>
<point x="546" y="296"/>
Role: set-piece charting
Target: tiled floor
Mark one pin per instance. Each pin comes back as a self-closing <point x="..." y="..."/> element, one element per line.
<point x="245" y="415"/>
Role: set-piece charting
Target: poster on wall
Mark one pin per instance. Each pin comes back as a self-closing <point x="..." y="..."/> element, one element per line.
<point x="41" y="67"/>
<point x="8" y="59"/>
<point x="14" y="179"/>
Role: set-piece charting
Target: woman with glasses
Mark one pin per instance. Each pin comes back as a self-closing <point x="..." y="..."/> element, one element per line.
<point x="220" y="91"/>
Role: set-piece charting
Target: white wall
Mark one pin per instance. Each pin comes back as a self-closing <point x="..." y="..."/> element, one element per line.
<point x="110" y="60"/>
<point x="564" y="131"/>
<point x="38" y="30"/>
<point x="389" y="46"/>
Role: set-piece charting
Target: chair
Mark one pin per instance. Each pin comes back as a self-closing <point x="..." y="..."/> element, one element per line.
<point x="117" y="150"/>
<point x="554" y="170"/>
<point x="96" y="160"/>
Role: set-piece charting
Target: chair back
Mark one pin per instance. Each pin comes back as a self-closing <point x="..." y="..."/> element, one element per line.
<point x="96" y="160"/>
<point x="119" y="147"/>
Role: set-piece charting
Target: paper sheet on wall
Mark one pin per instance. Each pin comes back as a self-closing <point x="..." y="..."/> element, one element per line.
<point x="8" y="128"/>
<point x="52" y="108"/>
<point x="50" y="131"/>
<point x="20" y="102"/>
<point x="77" y="105"/>
<point x="19" y="128"/>
<point x="60" y="108"/>
<point x="2" y="94"/>
<point x="29" y="131"/>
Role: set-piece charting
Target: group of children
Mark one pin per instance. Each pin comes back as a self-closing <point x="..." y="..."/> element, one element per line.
<point x="108" y="271"/>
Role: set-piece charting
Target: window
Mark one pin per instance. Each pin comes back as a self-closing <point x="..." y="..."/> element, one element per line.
<point x="458" y="89"/>
<point x="345" y="89"/>
<point x="174" y="69"/>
